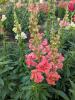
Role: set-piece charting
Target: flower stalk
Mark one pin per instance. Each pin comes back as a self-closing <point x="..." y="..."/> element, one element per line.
<point x="20" y="36"/>
<point x="44" y="59"/>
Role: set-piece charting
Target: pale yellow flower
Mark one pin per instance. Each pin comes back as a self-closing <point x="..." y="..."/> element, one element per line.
<point x="15" y="29"/>
<point x="23" y="35"/>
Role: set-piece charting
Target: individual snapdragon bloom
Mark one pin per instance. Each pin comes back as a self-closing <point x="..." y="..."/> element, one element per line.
<point x="44" y="66"/>
<point x="15" y="29"/>
<point x="63" y="23"/>
<point x="30" y="60"/>
<point x="19" y="5"/>
<point x="23" y="36"/>
<point x="36" y="76"/>
<point x="33" y="8"/>
<point x="52" y="78"/>
<point x="3" y="18"/>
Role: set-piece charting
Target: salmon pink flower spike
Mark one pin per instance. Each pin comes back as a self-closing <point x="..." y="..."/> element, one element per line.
<point x="44" y="61"/>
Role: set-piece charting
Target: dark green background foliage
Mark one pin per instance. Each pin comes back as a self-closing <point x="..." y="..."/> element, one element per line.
<point x="60" y="12"/>
<point x="23" y="17"/>
<point x="42" y="17"/>
<point x="9" y="23"/>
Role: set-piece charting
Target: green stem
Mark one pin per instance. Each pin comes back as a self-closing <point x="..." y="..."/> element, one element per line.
<point x="4" y="44"/>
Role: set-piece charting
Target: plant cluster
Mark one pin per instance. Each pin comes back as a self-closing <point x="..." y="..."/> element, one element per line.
<point x="42" y="67"/>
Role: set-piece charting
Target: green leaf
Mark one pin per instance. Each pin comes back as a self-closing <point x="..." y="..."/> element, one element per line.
<point x="59" y="93"/>
<point x="72" y="90"/>
<point x="5" y="69"/>
<point x="4" y="63"/>
<point x="1" y="82"/>
<point x="62" y="94"/>
<point x="43" y="97"/>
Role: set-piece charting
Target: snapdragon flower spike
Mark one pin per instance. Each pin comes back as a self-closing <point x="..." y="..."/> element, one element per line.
<point x="44" y="61"/>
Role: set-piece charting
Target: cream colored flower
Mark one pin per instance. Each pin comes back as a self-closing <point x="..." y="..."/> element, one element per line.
<point x="72" y="24"/>
<point x="15" y="29"/>
<point x="58" y="19"/>
<point x="41" y="1"/>
<point x="16" y="37"/>
<point x="3" y="18"/>
<point x="23" y="35"/>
